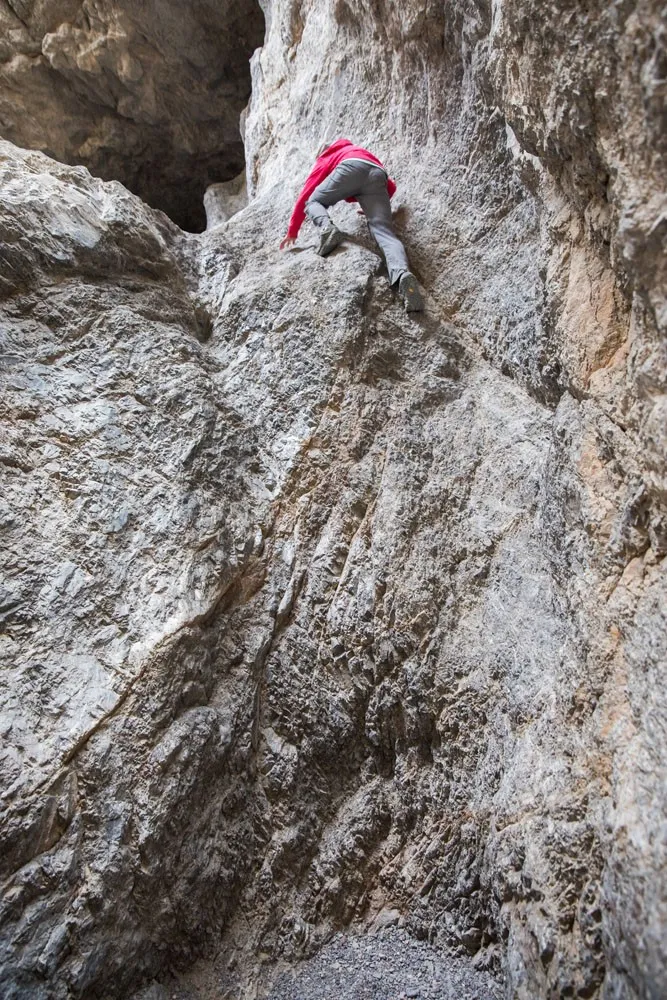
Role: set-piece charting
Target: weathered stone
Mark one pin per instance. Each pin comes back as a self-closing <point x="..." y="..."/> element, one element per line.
<point x="314" y="611"/>
<point x="221" y="201"/>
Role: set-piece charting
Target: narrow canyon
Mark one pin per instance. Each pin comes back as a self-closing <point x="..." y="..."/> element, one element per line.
<point x="318" y="617"/>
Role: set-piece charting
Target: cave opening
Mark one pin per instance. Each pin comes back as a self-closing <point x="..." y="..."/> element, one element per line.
<point x="176" y="182"/>
<point x="152" y="102"/>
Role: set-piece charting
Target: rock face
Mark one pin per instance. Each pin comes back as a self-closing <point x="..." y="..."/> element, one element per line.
<point x="147" y="92"/>
<point x="223" y="200"/>
<point x="314" y="611"/>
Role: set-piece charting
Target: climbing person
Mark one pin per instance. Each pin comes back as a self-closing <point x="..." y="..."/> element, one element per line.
<point x="343" y="170"/>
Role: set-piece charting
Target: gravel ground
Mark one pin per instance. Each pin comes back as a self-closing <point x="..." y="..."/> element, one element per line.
<point x="386" y="966"/>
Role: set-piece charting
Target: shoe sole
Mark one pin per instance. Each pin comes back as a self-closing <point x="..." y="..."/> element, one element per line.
<point x="411" y="296"/>
<point x="330" y="243"/>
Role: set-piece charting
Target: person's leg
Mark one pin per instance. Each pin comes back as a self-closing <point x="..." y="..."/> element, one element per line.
<point x="375" y="203"/>
<point x="317" y="213"/>
<point x="343" y="182"/>
<point x="376" y="206"/>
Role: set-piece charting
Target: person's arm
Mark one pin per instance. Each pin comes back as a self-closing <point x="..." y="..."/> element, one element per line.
<point x="299" y="214"/>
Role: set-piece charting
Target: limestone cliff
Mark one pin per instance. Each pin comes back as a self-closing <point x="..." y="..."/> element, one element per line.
<point x="311" y="608"/>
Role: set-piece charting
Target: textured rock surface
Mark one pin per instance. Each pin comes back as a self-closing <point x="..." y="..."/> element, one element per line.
<point x="147" y="92"/>
<point x="221" y="201"/>
<point x="312" y="611"/>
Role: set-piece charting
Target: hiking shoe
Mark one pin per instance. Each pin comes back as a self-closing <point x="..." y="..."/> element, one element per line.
<point x="329" y="240"/>
<point x="409" y="292"/>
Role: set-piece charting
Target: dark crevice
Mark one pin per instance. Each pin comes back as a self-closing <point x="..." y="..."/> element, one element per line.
<point x="174" y="181"/>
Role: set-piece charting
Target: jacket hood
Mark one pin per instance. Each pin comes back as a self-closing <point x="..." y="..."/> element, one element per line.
<point x="335" y="146"/>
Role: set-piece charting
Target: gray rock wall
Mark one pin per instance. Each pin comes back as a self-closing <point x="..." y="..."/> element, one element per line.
<point x="312" y="609"/>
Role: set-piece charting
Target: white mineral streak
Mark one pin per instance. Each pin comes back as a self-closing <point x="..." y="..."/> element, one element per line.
<point x="312" y="611"/>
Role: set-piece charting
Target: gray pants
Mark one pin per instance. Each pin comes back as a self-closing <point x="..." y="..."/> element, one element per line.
<point x="368" y="184"/>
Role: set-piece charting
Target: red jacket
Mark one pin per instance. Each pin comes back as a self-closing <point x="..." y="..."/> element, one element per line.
<point x="325" y="164"/>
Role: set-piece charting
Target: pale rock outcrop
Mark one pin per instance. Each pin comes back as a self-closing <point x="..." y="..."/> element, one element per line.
<point x="225" y="199"/>
<point x="313" y="610"/>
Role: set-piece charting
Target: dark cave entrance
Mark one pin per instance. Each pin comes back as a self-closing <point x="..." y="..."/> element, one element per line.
<point x="160" y="115"/>
<point x="178" y="161"/>
<point x="176" y="181"/>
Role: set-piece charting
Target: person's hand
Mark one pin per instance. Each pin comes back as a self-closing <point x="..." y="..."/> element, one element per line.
<point x="289" y="241"/>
